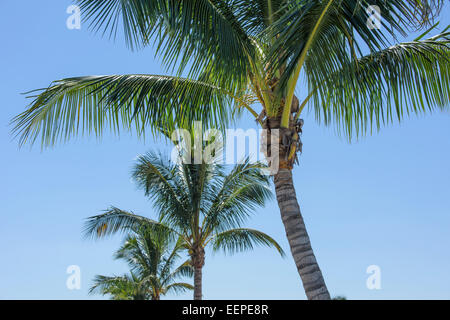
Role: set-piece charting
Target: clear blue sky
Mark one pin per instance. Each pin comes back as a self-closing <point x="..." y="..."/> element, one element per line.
<point x="383" y="200"/>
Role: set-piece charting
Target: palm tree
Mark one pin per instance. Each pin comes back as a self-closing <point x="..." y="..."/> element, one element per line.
<point x="238" y="54"/>
<point x="126" y="287"/>
<point x="201" y="204"/>
<point x="151" y="254"/>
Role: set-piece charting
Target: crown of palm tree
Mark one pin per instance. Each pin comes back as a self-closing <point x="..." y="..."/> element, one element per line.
<point x="200" y="203"/>
<point x="236" y="52"/>
<point x="151" y="254"/>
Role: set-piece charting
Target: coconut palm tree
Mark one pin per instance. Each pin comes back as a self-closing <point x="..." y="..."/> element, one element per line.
<point x="201" y="204"/>
<point x="126" y="287"/>
<point x="152" y="254"/>
<point x="249" y="55"/>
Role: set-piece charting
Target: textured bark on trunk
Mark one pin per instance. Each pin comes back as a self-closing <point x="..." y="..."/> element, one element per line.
<point x="299" y="242"/>
<point x="198" y="283"/>
<point x="198" y="261"/>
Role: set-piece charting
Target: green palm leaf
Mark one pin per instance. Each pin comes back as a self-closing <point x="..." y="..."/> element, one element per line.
<point x="411" y="77"/>
<point x="305" y="23"/>
<point x="206" y="34"/>
<point x="139" y="102"/>
<point x="240" y="192"/>
<point x="178" y="287"/>
<point x="116" y="220"/>
<point x="238" y="240"/>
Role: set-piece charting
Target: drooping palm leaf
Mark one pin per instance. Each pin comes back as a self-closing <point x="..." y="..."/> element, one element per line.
<point x="411" y="77"/>
<point x="184" y="270"/>
<point x="326" y="34"/>
<point x="204" y="34"/>
<point x="163" y="182"/>
<point x="305" y="22"/>
<point x="116" y="220"/>
<point x="140" y="102"/>
<point x="178" y="287"/>
<point x="238" y="240"/>
<point x="237" y="194"/>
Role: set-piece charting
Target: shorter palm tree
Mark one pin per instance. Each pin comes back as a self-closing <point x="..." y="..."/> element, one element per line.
<point x="151" y="254"/>
<point x="200" y="203"/>
<point x="126" y="287"/>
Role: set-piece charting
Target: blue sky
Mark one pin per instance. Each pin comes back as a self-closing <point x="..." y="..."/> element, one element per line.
<point x="383" y="200"/>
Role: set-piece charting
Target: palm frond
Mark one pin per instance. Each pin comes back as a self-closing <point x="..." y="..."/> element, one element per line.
<point x="163" y="182"/>
<point x="115" y="220"/>
<point x="238" y="240"/>
<point x="137" y="17"/>
<point x="258" y="15"/>
<point x="236" y="195"/>
<point x="407" y="78"/>
<point x="317" y="24"/>
<point x="184" y="270"/>
<point x="199" y="34"/>
<point x="166" y="270"/>
<point x="178" y="287"/>
<point x="134" y="102"/>
<point x="131" y="252"/>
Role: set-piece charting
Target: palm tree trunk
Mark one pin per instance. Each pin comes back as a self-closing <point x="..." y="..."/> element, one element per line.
<point x="198" y="261"/>
<point x="313" y="281"/>
<point x="198" y="283"/>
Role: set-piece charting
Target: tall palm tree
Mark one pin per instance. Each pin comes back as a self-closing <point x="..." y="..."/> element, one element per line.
<point x="249" y="54"/>
<point x="201" y="204"/>
<point x="152" y="254"/>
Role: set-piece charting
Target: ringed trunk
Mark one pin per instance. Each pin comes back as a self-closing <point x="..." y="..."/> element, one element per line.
<point x="286" y="144"/>
<point x="299" y="242"/>
<point x="198" y="283"/>
<point x="198" y="261"/>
